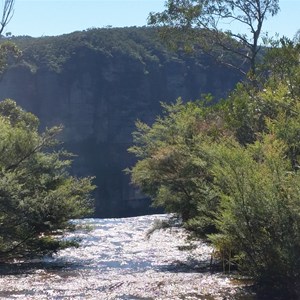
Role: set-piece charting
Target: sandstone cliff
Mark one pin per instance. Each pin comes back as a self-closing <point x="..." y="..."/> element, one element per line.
<point x="97" y="83"/>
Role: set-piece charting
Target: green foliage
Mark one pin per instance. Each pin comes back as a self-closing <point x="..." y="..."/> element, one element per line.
<point x="272" y="108"/>
<point x="259" y="210"/>
<point x="54" y="52"/>
<point x="198" y="24"/>
<point x="257" y="175"/>
<point x="174" y="165"/>
<point x="37" y="194"/>
<point x="282" y="59"/>
<point x="9" y="54"/>
<point x="231" y="171"/>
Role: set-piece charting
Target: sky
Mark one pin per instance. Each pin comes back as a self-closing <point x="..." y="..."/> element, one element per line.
<point x="54" y="17"/>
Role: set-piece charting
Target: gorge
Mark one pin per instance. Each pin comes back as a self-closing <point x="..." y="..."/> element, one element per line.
<point x="97" y="83"/>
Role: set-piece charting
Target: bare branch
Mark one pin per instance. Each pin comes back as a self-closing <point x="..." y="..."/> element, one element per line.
<point x="7" y="14"/>
<point x="207" y="14"/>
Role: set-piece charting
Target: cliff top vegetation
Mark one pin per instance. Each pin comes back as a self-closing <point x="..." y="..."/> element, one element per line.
<point x="139" y="43"/>
<point x="53" y="51"/>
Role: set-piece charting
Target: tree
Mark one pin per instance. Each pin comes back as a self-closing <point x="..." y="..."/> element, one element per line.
<point x="9" y="52"/>
<point x="235" y="167"/>
<point x="37" y="194"/>
<point x="7" y="14"/>
<point x="231" y="172"/>
<point x="249" y="112"/>
<point x="174" y="163"/>
<point x="296" y="38"/>
<point x="201" y="23"/>
<point x="282" y="63"/>
<point x="258" y="216"/>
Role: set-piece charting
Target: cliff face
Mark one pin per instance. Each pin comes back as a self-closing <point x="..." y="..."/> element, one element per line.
<point x="98" y="95"/>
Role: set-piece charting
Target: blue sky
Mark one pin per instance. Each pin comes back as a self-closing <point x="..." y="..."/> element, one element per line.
<point x="55" y="17"/>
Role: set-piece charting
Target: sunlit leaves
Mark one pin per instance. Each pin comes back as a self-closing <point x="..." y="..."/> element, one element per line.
<point x="201" y="24"/>
<point x="9" y="54"/>
<point x="37" y="194"/>
<point x="258" y="214"/>
<point x="174" y="162"/>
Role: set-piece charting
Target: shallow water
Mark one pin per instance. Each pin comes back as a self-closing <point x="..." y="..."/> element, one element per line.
<point x="115" y="260"/>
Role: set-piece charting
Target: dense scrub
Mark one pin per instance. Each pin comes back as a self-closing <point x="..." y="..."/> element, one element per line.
<point x="131" y="43"/>
<point x="52" y="52"/>
<point x="230" y="171"/>
<point x="37" y="194"/>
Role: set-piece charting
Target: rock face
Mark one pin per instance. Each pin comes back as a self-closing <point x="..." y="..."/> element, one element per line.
<point x="98" y="93"/>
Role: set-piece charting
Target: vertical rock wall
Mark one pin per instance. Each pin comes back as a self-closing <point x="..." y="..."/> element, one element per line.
<point x="98" y="97"/>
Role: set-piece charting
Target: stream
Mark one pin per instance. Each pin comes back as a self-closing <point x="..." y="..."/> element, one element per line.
<point x="116" y="260"/>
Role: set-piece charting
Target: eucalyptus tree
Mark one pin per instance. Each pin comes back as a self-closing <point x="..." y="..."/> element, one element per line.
<point x="9" y="52"/>
<point x="7" y="13"/>
<point x="206" y="24"/>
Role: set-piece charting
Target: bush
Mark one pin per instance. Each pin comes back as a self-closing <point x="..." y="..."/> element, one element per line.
<point x="259" y="211"/>
<point x="37" y="194"/>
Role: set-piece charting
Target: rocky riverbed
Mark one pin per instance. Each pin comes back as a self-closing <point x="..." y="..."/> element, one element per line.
<point x="116" y="260"/>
